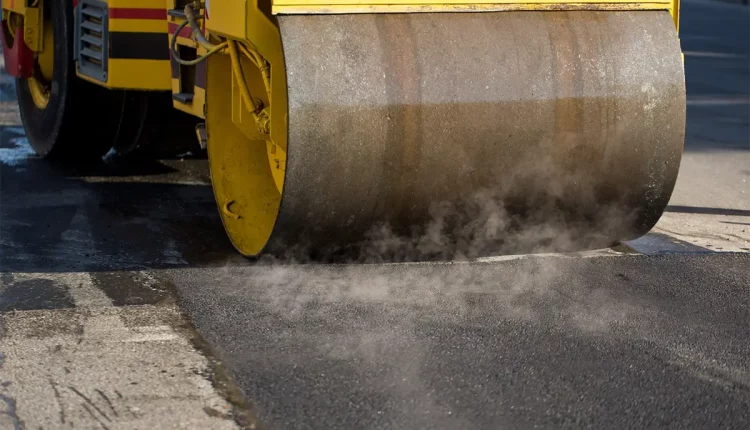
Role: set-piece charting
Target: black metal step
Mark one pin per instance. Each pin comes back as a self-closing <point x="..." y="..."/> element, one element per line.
<point x="183" y="97"/>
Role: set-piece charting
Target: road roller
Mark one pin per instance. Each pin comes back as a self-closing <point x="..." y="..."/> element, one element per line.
<point x="444" y="127"/>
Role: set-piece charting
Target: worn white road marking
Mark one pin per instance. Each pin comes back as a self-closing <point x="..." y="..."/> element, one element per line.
<point x="99" y="366"/>
<point x="17" y="155"/>
<point x="605" y="252"/>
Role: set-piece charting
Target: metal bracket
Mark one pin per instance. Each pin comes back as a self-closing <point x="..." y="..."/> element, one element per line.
<point x="200" y="131"/>
<point x="32" y="25"/>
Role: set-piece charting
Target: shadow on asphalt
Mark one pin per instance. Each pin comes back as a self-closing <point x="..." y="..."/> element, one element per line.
<point x="158" y="214"/>
<point x="53" y="220"/>
<point x="122" y="215"/>
<point x="707" y="211"/>
<point x="112" y="226"/>
<point x="117" y="168"/>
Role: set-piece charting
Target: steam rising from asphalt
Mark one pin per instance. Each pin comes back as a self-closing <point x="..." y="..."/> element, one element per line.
<point x="559" y="199"/>
<point x="528" y="288"/>
<point x="482" y="226"/>
<point x="558" y="209"/>
<point x="485" y="223"/>
<point x="369" y="316"/>
<point x="388" y="326"/>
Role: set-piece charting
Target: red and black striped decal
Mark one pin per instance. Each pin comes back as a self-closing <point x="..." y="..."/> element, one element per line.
<point x="148" y="46"/>
<point x="185" y="32"/>
<point x="138" y="45"/>
<point x="137" y="13"/>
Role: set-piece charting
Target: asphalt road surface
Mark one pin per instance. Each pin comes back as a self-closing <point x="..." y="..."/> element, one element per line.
<point x="123" y="305"/>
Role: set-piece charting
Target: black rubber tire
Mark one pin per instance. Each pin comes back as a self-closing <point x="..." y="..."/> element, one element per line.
<point x="81" y="120"/>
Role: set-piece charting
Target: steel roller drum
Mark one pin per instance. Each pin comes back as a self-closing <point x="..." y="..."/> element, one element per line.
<point x="480" y="132"/>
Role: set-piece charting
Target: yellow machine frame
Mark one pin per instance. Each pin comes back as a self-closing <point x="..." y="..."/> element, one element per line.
<point x="144" y="22"/>
<point x="415" y="6"/>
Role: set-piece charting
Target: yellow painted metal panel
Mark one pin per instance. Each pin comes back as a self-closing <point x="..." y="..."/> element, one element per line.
<point x="138" y="25"/>
<point x="435" y="3"/>
<point x="32" y="25"/>
<point x="488" y="7"/>
<point x="146" y="4"/>
<point x="136" y="74"/>
<point x="139" y="74"/>
<point x="32" y="21"/>
<point x="227" y="17"/>
<point x="18" y="6"/>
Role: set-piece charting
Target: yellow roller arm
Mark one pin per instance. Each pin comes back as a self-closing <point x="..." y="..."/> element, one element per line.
<point x="402" y="6"/>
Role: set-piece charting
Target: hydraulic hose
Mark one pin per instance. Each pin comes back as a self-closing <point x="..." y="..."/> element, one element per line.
<point x="192" y="19"/>
<point x="173" y="44"/>
<point x="260" y="115"/>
